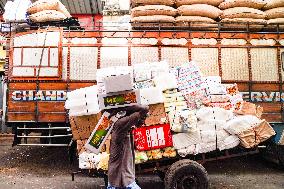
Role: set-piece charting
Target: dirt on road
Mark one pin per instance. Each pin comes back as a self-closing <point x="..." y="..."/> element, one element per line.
<point x="50" y="168"/>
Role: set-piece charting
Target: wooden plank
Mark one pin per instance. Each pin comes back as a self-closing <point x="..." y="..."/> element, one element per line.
<point x="51" y="106"/>
<point x="73" y="86"/>
<point x="21" y="106"/>
<point x="265" y="87"/>
<point x="16" y="117"/>
<point x="269" y="107"/>
<point x="272" y="117"/>
<point x="22" y="86"/>
<point x="52" y="86"/>
<point x="52" y="117"/>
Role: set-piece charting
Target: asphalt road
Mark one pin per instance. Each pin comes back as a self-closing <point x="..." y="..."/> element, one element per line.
<point x="49" y="168"/>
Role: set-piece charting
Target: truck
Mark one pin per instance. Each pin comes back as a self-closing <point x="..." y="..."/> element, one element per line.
<point x="44" y="64"/>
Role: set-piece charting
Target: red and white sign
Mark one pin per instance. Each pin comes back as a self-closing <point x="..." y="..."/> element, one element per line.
<point x="153" y="137"/>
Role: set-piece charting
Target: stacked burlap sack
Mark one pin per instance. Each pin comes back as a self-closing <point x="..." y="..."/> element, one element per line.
<point x="198" y="13"/>
<point x="48" y="10"/>
<point x="169" y="13"/>
<point x="274" y="10"/>
<point x="148" y="13"/>
<point x="238" y="14"/>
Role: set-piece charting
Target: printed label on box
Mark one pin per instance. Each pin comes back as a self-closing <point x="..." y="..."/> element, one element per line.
<point x="119" y="100"/>
<point x="153" y="137"/>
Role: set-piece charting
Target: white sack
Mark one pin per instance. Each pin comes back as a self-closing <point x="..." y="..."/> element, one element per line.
<point x="190" y="150"/>
<point x="208" y="113"/>
<point x="241" y="123"/>
<point x="211" y="125"/>
<point x="206" y="147"/>
<point x="208" y="136"/>
<point x="230" y="142"/>
<point x="183" y="140"/>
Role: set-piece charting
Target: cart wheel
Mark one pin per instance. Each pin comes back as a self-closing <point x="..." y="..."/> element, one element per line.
<point x="186" y="174"/>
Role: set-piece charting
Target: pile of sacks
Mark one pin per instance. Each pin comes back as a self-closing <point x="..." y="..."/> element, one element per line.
<point x="243" y="11"/>
<point x="175" y="13"/>
<point x="274" y="10"/>
<point x="48" y="10"/>
<point x="203" y="114"/>
<point x="201" y="14"/>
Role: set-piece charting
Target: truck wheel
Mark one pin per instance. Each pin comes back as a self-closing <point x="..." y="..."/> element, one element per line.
<point x="186" y="174"/>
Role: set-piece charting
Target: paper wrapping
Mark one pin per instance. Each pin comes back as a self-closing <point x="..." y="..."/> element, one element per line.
<point x="157" y="115"/>
<point x="118" y="83"/>
<point x="153" y="95"/>
<point x="184" y="140"/>
<point x="247" y="108"/>
<point x="254" y="136"/>
<point x="241" y="123"/>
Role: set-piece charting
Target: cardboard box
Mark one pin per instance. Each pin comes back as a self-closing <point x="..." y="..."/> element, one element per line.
<point x="157" y="115"/>
<point x="118" y="83"/>
<point x="118" y="100"/>
<point x="100" y="133"/>
<point x="82" y="126"/>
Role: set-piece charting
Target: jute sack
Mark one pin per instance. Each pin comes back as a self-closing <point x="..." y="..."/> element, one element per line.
<point x="275" y="13"/>
<point x="47" y="15"/>
<point x="276" y="21"/>
<point x="200" y="10"/>
<point x="42" y="5"/>
<point x="241" y="23"/>
<point x="149" y="10"/>
<point x="243" y="12"/>
<point x="196" y="22"/>
<point x="256" y="4"/>
<point x="154" y="21"/>
<point x="270" y="4"/>
<point x="215" y="3"/>
<point x="152" y="2"/>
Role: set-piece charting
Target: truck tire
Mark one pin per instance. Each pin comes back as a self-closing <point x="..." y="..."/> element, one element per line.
<point x="186" y="174"/>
